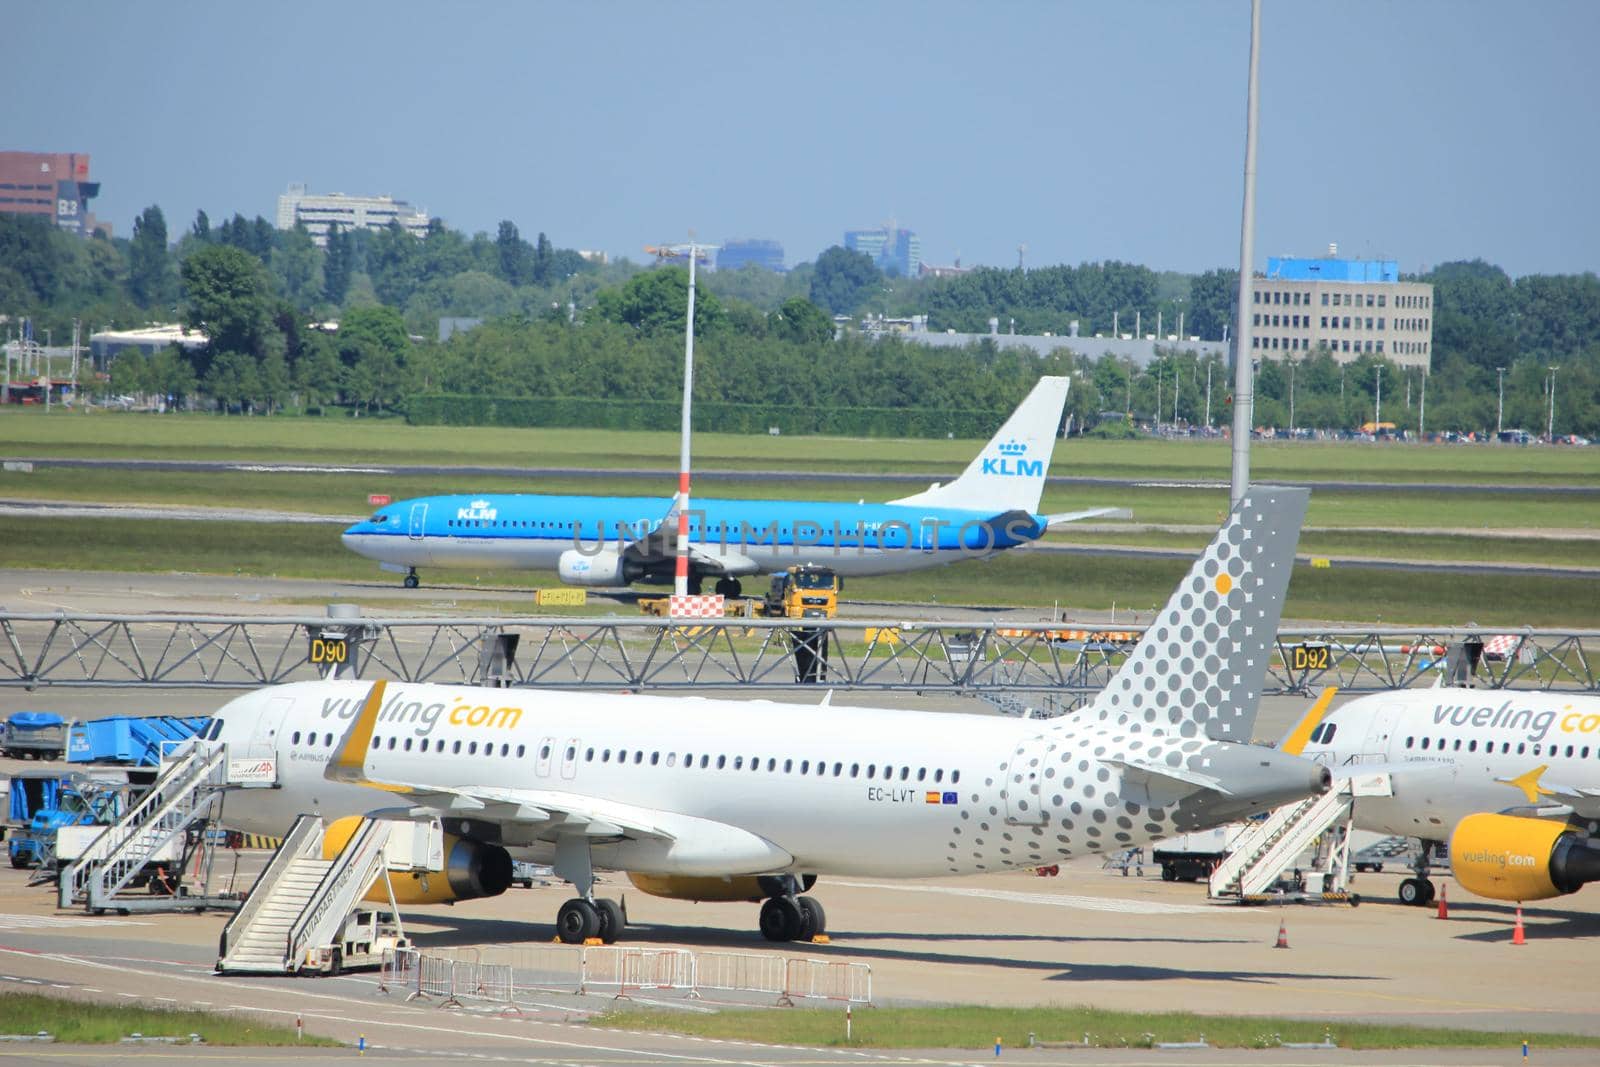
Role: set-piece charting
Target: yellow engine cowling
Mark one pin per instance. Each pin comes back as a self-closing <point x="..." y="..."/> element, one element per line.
<point x="712" y="889"/>
<point x="472" y="869"/>
<point x="1507" y="857"/>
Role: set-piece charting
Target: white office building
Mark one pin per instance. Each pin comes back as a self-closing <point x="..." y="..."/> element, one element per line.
<point x="317" y="212"/>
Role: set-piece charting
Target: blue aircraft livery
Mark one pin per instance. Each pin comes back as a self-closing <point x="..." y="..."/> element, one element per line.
<point x="613" y="541"/>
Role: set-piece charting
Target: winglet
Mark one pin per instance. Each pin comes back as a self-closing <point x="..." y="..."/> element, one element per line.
<point x="349" y="763"/>
<point x="1295" y="742"/>
<point x="1528" y="782"/>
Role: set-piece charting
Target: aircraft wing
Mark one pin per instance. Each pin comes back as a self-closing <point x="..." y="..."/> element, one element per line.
<point x="1552" y="798"/>
<point x="1066" y="518"/>
<point x="661" y="544"/>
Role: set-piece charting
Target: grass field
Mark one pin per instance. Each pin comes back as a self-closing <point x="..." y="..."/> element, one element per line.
<point x="1023" y="579"/>
<point x="345" y="440"/>
<point x="978" y="1028"/>
<point x="79" y="1022"/>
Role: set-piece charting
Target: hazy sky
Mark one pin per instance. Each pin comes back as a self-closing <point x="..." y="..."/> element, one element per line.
<point x="1423" y="131"/>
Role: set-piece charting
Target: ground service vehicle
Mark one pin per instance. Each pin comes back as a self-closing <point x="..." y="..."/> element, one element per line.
<point x="366" y="936"/>
<point x="803" y="592"/>
<point x="34" y="735"/>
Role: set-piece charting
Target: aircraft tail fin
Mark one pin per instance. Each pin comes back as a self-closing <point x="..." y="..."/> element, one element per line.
<point x="1009" y="473"/>
<point x="1202" y="663"/>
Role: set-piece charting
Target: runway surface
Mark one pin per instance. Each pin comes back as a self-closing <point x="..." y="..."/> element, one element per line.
<point x="668" y="477"/>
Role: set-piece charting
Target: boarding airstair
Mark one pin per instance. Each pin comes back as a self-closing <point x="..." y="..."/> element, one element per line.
<point x="301" y="901"/>
<point x="187" y="795"/>
<point x="1260" y="855"/>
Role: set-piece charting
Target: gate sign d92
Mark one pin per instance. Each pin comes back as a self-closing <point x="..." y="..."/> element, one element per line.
<point x="1309" y="658"/>
<point x="330" y="650"/>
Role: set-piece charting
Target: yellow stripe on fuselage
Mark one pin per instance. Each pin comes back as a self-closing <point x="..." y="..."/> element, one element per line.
<point x="349" y="765"/>
<point x="1295" y="743"/>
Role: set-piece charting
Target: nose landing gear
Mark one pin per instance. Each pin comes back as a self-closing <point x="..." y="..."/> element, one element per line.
<point x="411" y="579"/>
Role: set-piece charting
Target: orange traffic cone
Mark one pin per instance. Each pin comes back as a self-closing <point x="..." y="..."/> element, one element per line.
<point x="1444" y="903"/>
<point x="1283" y="936"/>
<point x="1517" y="936"/>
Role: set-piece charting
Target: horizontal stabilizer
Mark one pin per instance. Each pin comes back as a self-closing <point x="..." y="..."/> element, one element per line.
<point x="1068" y="517"/>
<point x="1164" y="785"/>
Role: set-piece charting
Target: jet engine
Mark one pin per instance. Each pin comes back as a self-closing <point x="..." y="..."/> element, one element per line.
<point x="751" y="887"/>
<point x="1508" y="857"/>
<point x="471" y="869"/>
<point x="601" y="568"/>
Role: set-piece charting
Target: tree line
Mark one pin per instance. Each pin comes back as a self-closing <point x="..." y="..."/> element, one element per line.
<point x="560" y="326"/>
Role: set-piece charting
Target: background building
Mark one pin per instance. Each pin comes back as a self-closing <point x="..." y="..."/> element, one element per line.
<point x="1348" y="306"/>
<point x="757" y="251"/>
<point x="53" y="184"/>
<point x="317" y="212"/>
<point x="895" y="251"/>
<point x="1141" y="351"/>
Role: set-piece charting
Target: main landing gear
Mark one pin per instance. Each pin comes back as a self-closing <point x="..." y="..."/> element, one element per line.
<point x="412" y="581"/>
<point x="1420" y="890"/>
<point x="584" y="916"/>
<point x="729" y="587"/>
<point x="788" y="916"/>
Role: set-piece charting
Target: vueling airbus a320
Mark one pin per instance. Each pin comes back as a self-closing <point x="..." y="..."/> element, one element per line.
<point x="736" y="800"/>
<point x="617" y="540"/>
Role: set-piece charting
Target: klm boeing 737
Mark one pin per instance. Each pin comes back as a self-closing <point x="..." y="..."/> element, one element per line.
<point x="614" y="541"/>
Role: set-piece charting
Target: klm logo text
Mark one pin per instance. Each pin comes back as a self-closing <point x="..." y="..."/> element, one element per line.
<point x="1010" y="463"/>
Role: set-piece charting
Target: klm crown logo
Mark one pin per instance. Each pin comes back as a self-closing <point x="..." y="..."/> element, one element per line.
<point x="1010" y="463"/>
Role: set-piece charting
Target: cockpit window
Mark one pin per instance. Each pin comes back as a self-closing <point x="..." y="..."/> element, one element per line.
<point x="378" y="518"/>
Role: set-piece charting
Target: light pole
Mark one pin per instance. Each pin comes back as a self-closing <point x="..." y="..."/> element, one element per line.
<point x="1243" y="384"/>
<point x="1500" y="407"/>
<point x="1208" y="394"/>
<point x="1550" y="423"/>
<point x="1377" y="401"/>
<point x="1291" y="398"/>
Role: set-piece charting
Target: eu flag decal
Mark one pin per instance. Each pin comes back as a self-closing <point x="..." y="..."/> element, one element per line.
<point x="949" y="798"/>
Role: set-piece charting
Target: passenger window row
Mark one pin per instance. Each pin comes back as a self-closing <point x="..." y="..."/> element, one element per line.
<point x="1427" y="744"/>
<point x="771" y="765"/>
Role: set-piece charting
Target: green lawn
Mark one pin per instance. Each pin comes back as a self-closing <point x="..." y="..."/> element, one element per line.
<point x="339" y="439"/>
<point x="80" y="1022"/>
<point x="979" y="1027"/>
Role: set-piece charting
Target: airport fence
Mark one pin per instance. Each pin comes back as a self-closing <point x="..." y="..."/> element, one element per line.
<point x="500" y="974"/>
<point x="1023" y="668"/>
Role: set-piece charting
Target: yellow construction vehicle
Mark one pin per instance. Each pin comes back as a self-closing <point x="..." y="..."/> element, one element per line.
<point x="803" y="592"/>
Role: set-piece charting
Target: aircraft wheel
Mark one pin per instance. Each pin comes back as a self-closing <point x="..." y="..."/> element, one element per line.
<point x="781" y="919"/>
<point x="1429" y="891"/>
<point x="612" y="922"/>
<point x="412" y="581"/>
<point x="815" y="918"/>
<point x="1411" y="891"/>
<point x="577" y="921"/>
<point x="729" y="587"/>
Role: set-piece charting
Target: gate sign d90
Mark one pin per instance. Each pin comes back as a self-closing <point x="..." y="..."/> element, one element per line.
<point x="1309" y="658"/>
<point x="325" y="650"/>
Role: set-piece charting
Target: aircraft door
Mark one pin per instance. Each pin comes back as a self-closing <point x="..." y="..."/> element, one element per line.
<point x="569" y="759"/>
<point x="930" y="535"/>
<point x="263" y="743"/>
<point x="1024" y="776"/>
<point x="547" y="746"/>
<point x="1375" y="747"/>
<point x="418" y="521"/>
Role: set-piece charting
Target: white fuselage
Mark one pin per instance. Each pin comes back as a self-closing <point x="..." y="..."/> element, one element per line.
<point x="1452" y="752"/>
<point x="824" y="789"/>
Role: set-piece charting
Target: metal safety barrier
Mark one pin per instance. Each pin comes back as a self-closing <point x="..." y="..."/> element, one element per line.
<point x="960" y="657"/>
<point x="591" y="968"/>
<point x="637" y="968"/>
<point x="826" y="980"/>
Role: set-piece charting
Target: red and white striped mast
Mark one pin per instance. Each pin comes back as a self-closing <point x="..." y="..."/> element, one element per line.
<point x="680" y="582"/>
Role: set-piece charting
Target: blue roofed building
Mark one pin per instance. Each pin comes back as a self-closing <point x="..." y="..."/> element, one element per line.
<point x="1348" y="306"/>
